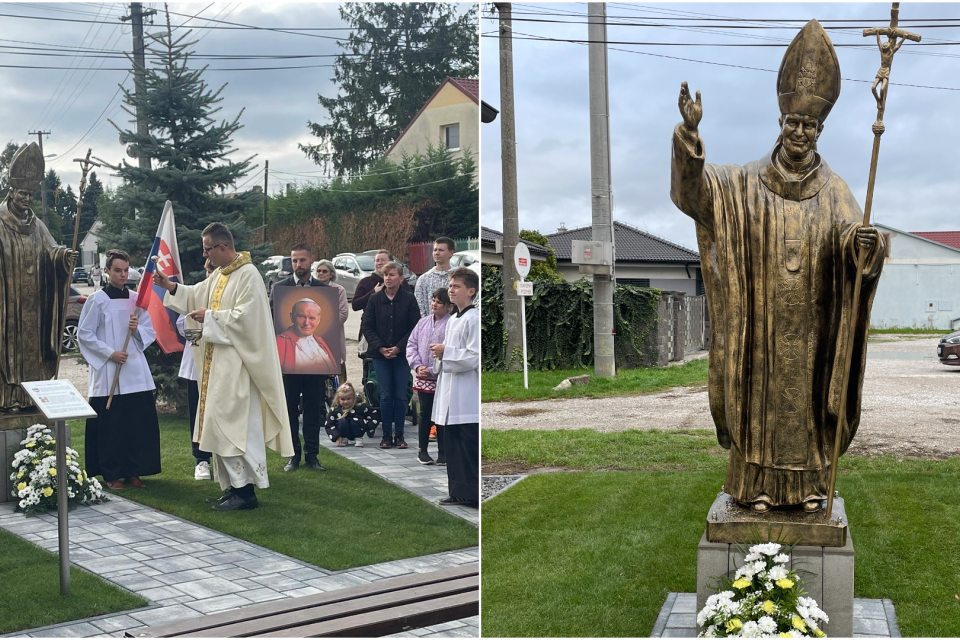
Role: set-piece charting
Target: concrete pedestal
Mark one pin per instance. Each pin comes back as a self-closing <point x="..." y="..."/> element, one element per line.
<point x="13" y="429"/>
<point x="827" y="573"/>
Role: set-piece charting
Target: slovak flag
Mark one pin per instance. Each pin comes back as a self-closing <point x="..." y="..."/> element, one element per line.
<point x="149" y="296"/>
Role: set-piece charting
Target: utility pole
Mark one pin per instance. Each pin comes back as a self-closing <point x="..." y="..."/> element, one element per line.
<point x="137" y="14"/>
<point x="266" y="200"/>
<point x="508" y="163"/>
<point x="604" y="361"/>
<point x="43" y="178"/>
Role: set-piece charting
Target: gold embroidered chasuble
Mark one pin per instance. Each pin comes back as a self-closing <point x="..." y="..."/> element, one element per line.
<point x="237" y="355"/>
<point x="778" y="261"/>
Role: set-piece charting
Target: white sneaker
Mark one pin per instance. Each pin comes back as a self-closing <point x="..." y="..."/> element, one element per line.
<point x="358" y="443"/>
<point x="202" y="471"/>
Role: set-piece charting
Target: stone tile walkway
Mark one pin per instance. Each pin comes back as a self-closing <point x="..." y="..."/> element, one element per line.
<point x="400" y="467"/>
<point x="187" y="570"/>
<point x="872" y="618"/>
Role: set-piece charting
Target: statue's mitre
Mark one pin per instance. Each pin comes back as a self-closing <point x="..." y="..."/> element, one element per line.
<point x="809" y="79"/>
<point x="26" y="167"/>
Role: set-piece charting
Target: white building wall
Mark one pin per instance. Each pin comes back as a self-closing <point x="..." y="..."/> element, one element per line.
<point x="919" y="285"/>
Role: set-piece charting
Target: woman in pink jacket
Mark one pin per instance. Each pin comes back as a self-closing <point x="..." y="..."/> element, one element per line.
<point x="430" y="330"/>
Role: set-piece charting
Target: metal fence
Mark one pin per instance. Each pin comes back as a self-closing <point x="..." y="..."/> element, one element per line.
<point x="697" y="323"/>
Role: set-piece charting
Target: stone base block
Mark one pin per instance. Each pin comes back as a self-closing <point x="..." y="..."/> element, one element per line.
<point x="827" y="573"/>
<point x="13" y="429"/>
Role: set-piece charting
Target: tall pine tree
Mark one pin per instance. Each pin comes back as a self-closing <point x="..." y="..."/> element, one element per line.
<point x="395" y="58"/>
<point x="190" y="162"/>
<point x="190" y="166"/>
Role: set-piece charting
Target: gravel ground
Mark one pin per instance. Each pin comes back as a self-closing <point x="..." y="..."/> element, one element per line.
<point x="492" y="485"/>
<point x="911" y="405"/>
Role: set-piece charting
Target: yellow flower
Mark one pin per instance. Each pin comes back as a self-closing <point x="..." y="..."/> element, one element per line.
<point x="31" y="445"/>
<point x="819" y="634"/>
<point x="79" y="477"/>
<point x="48" y="492"/>
<point x="742" y="583"/>
<point x="733" y="625"/>
<point x="768" y="606"/>
<point x="785" y="635"/>
<point x="48" y="453"/>
<point x="52" y="472"/>
<point x="784" y="583"/>
<point x="21" y="486"/>
<point x="20" y="475"/>
<point x="798" y="624"/>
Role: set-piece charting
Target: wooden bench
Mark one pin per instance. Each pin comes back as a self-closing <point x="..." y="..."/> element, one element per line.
<point x="376" y="609"/>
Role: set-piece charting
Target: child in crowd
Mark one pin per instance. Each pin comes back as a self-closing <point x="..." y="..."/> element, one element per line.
<point x="349" y="419"/>
<point x="430" y="330"/>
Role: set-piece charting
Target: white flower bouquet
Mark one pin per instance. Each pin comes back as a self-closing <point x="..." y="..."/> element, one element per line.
<point x="763" y="600"/>
<point x="35" y="480"/>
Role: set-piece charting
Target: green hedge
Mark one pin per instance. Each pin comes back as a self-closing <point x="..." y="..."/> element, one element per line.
<point x="560" y="325"/>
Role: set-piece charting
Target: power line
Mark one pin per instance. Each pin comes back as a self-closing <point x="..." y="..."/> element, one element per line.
<point x="526" y="36"/>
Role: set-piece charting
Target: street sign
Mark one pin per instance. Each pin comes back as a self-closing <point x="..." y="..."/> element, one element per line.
<point x="524" y="288"/>
<point x="521" y="258"/>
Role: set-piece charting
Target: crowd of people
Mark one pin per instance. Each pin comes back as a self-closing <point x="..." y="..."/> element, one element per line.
<point x="241" y="402"/>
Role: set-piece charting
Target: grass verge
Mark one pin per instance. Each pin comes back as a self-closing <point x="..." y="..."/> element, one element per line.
<point x="498" y="387"/>
<point x="596" y="553"/>
<point x="31" y="589"/>
<point x="911" y="331"/>
<point x="342" y="518"/>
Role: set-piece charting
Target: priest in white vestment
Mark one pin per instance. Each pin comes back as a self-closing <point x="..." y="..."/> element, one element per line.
<point x="242" y="407"/>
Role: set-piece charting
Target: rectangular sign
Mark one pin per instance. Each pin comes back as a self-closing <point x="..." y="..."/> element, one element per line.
<point x="524" y="288"/>
<point x="58" y="399"/>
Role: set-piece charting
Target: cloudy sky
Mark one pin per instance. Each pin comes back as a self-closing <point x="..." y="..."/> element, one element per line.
<point x="74" y="105"/>
<point x="917" y="184"/>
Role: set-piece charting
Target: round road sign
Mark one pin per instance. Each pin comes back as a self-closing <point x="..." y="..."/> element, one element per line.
<point x="521" y="258"/>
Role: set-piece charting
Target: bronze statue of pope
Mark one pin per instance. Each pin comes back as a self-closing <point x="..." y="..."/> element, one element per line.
<point x="779" y="240"/>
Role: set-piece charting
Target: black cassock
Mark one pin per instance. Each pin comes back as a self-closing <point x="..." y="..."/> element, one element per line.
<point x="462" y="449"/>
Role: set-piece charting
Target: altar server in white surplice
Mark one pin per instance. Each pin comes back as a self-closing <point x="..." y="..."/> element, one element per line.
<point x="122" y="442"/>
<point x="242" y="407"/>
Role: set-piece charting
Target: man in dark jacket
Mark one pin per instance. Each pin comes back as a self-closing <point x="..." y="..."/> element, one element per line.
<point x="389" y="317"/>
<point x="296" y="386"/>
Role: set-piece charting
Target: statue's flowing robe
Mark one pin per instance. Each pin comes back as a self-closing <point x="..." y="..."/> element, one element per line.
<point x="779" y="263"/>
<point x="242" y="405"/>
<point x="34" y="286"/>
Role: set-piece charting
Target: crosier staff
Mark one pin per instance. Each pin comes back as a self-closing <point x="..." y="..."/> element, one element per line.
<point x="880" y="87"/>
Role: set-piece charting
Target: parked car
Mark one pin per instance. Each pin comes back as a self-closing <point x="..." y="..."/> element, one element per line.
<point x="79" y="275"/>
<point x="133" y="278"/>
<point x="351" y="268"/>
<point x="465" y="258"/>
<point x="408" y="275"/>
<point x="282" y="269"/>
<point x="74" y="307"/>
<point x="949" y="349"/>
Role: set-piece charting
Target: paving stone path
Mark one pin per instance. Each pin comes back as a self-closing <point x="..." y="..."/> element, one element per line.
<point x="872" y="618"/>
<point x="400" y="467"/>
<point x="186" y="570"/>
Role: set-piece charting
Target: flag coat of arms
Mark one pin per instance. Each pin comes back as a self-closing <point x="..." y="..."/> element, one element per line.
<point x="150" y="296"/>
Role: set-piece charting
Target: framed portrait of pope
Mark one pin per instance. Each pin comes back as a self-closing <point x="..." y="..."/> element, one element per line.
<point x="308" y="330"/>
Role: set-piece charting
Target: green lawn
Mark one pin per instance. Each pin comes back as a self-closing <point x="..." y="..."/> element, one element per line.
<point x="31" y="589"/>
<point x="497" y="386"/>
<point x="342" y="518"/>
<point x="911" y="331"/>
<point x="596" y="553"/>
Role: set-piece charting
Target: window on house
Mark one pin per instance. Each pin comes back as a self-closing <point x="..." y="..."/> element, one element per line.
<point x="451" y="136"/>
<point x="637" y="282"/>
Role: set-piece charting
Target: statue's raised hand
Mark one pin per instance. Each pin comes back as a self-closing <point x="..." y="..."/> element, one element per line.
<point x="691" y="111"/>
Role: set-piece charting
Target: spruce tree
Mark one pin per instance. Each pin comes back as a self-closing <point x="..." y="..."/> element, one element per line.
<point x="190" y="161"/>
<point x="190" y="166"/>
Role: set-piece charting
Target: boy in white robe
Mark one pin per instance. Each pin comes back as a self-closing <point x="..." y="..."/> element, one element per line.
<point x="242" y="407"/>
<point x="122" y="442"/>
<point x="456" y="405"/>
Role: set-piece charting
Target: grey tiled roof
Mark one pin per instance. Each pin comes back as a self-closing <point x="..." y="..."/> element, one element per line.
<point x="489" y="237"/>
<point x="632" y="245"/>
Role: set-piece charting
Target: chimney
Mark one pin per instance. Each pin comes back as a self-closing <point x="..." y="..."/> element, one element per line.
<point x="561" y="228"/>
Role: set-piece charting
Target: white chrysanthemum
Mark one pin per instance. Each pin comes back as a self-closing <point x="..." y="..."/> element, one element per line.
<point x="769" y="549"/>
<point x="782" y="558"/>
<point x="753" y="556"/>
<point x="767" y="624"/>
<point x="768" y="585"/>
<point x="778" y="572"/>
<point x="709" y="632"/>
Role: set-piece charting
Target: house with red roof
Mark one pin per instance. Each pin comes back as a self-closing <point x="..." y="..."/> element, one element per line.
<point x="920" y="282"/>
<point x="450" y="118"/>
